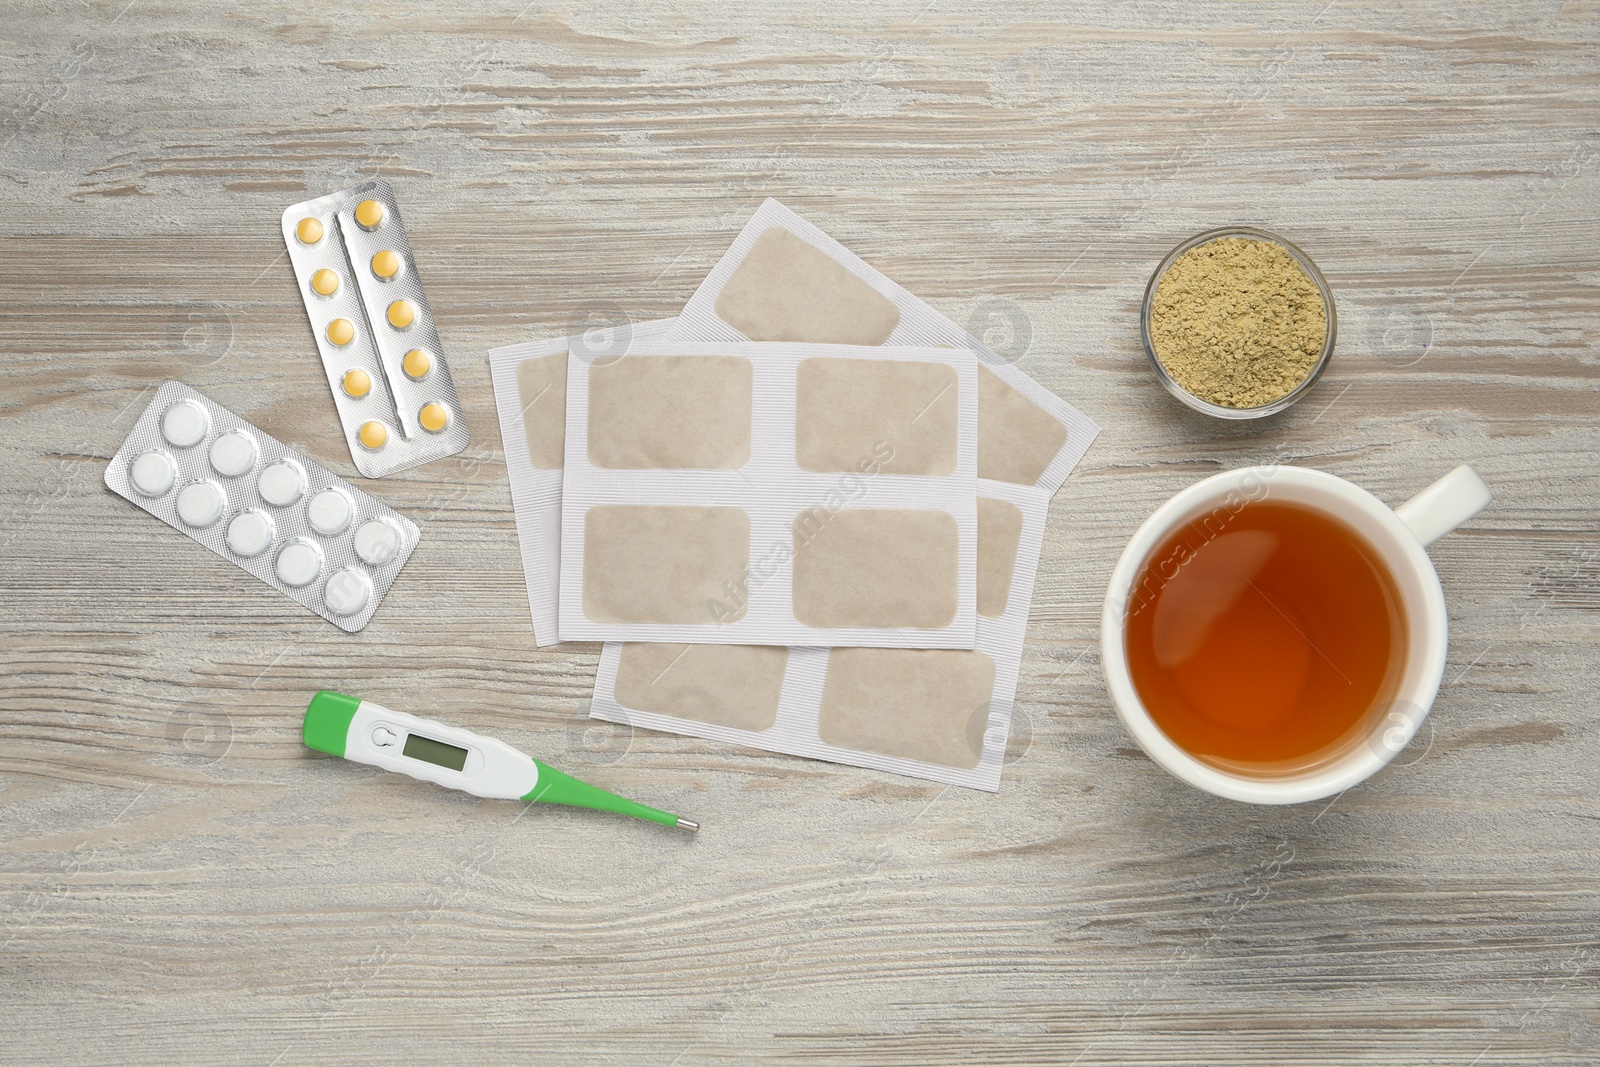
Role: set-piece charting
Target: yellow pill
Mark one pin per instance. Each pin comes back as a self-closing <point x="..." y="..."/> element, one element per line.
<point x="374" y="435"/>
<point x="434" y="417"/>
<point x="357" y="383"/>
<point x="386" y="264"/>
<point x="325" y="282"/>
<point x="402" y="313"/>
<point x="417" y="364"/>
<point x="341" y="332"/>
<point x="369" y="214"/>
<point x="309" y="231"/>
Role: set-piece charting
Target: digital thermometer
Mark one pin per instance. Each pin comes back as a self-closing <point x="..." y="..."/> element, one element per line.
<point x="365" y="732"/>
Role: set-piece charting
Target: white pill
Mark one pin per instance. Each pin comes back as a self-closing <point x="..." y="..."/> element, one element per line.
<point x="281" y="484"/>
<point x="185" y="423"/>
<point x="298" y="563"/>
<point x="233" y="453"/>
<point x="250" y="534"/>
<point x="201" y="504"/>
<point x="377" y="542"/>
<point x="329" y="512"/>
<point x="347" y="591"/>
<point x="153" y="473"/>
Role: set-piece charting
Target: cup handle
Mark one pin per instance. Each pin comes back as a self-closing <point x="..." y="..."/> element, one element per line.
<point x="1444" y="505"/>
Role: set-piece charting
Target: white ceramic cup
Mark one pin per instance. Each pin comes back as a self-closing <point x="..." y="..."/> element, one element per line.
<point x="1398" y="536"/>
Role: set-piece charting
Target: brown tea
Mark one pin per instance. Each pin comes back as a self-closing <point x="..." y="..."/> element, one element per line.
<point x="1261" y="640"/>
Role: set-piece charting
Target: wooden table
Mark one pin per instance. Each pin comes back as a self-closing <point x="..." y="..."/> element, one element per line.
<point x="183" y="882"/>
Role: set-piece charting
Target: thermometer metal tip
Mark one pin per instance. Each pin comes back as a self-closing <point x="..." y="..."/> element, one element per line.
<point x="686" y="824"/>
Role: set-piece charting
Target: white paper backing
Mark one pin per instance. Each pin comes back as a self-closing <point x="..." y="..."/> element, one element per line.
<point x="535" y="491"/>
<point x="795" y="731"/>
<point x="773" y="490"/>
<point x="919" y="324"/>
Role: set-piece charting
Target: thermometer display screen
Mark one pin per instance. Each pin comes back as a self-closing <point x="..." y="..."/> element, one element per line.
<point x="438" y="753"/>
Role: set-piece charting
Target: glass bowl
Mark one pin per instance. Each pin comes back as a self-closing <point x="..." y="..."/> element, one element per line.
<point x="1217" y="410"/>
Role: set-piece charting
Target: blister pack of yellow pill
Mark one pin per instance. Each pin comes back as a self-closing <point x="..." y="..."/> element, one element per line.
<point x="372" y="325"/>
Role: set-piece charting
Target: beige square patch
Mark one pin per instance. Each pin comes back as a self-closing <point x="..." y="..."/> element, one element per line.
<point x="542" y="394"/>
<point x="670" y="412"/>
<point x="787" y="289"/>
<point x="875" y="568"/>
<point x="847" y="409"/>
<point x="999" y="534"/>
<point x="1017" y="438"/>
<point x="663" y="564"/>
<point x="727" y="685"/>
<point x="930" y="705"/>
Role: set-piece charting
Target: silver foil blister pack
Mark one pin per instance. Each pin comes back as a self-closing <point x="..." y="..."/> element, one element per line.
<point x="255" y="501"/>
<point x="373" y="327"/>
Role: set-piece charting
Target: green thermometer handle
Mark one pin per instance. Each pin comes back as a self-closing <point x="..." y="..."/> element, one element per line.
<point x="365" y="732"/>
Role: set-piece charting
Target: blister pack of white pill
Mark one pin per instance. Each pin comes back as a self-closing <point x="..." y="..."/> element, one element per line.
<point x="253" y="500"/>
<point x="379" y="344"/>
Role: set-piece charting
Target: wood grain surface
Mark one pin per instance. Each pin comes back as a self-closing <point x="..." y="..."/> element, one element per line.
<point x="182" y="882"/>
